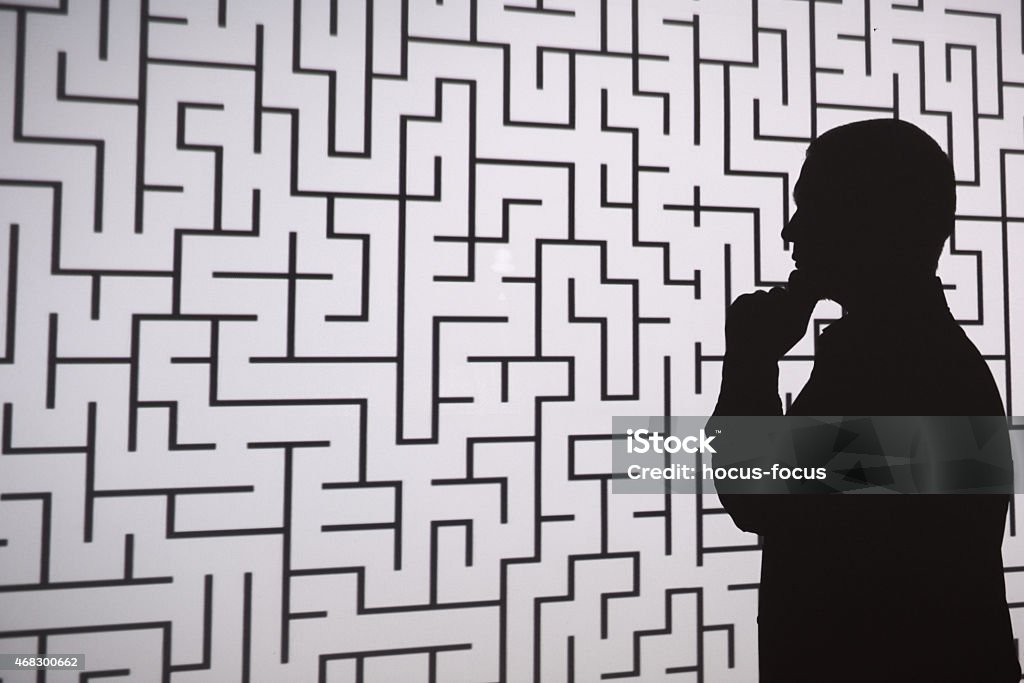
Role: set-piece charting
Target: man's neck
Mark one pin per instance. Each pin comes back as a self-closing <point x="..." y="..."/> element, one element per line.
<point x="902" y="297"/>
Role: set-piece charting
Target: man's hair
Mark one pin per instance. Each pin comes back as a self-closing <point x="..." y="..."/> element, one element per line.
<point x="892" y="181"/>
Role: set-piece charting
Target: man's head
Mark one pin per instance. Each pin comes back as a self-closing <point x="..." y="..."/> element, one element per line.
<point x="875" y="204"/>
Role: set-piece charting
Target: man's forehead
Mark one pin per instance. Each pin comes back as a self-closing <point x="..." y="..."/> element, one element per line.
<point x="805" y="180"/>
<point x="803" y="188"/>
<point x="812" y="183"/>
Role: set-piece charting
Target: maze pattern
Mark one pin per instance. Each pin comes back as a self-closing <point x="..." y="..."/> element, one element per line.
<point x="316" y="313"/>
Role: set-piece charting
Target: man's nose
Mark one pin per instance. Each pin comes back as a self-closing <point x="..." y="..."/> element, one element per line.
<point x="791" y="231"/>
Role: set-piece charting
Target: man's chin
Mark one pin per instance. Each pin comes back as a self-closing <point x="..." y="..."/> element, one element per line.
<point x="813" y="285"/>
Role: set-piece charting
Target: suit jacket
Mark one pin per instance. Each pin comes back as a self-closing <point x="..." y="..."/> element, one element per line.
<point x="880" y="587"/>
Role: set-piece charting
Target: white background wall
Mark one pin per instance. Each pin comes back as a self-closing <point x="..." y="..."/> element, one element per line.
<point x="317" y="313"/>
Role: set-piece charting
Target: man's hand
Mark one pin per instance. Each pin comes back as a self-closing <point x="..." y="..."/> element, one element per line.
<point x="766" y="325"/>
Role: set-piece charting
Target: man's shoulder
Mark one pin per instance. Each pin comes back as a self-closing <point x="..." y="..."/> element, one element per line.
<point x="911" y="366"/>
<point x="896" y="332"/>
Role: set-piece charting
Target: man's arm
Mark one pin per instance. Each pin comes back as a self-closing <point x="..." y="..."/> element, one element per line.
<point x="750" y="386"/>
<point x="760" y="328"/>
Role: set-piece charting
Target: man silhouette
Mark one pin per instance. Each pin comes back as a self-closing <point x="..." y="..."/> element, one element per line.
<point x="871" y="587"/>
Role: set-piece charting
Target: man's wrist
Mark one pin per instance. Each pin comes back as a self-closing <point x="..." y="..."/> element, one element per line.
<point x="756" y="361"/>
<point x="750" y="385"/>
